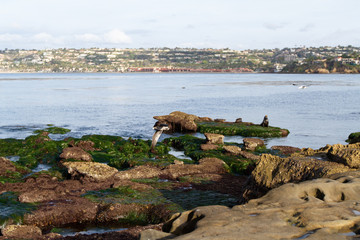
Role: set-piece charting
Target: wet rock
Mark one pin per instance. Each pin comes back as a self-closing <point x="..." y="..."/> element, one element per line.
<point x="90" y="170"/>
<point x="252" y="143"/>
<point x="86" y="145"/>
<point x="287" y="150"/>
<point x="317" y="209"/>
<point x="346" y="154"/>
<point x="235" y="150"/>
<point x="219" y="120"/>
<point x="209" y="146"/>
<point x="213" y="138"/>
<point x="62" y="212"/>
<point x="21" y="232"/>
<point x="75" y="153"/>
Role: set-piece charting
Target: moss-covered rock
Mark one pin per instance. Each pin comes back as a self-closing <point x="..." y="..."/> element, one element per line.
<point x="354" y="137"/>
<point x="245" y="130"/>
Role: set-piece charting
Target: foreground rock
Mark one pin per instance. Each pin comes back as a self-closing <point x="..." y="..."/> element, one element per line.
<point x="317" y="209"/>
<point x="21" y="232"/>
<point x="273" y="171"/>
<point x="76" y="153"/>
<point x="346" y="154"/>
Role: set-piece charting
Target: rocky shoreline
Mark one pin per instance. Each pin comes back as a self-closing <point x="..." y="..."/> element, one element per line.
<point x="220" y="191"/>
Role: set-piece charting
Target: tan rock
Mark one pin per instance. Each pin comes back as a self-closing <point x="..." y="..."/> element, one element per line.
<point x="21" y="232"/>
<point x="251" y="143"/>
<point x="139" y="172"/>
<point x="317" y="209"/>
<point x="92" y="170"/>
<point x="287" y="150"/>
<point x="76" y="153"/>
<point x="209" y="146"/>
<point x="235" y="150"/>
<point x="273" y="171"/>
<point x="214" y="138"/>
<point x="346" y="154"/>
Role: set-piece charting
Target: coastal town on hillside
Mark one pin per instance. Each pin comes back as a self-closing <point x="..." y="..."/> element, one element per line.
<point x="344" y="59"/>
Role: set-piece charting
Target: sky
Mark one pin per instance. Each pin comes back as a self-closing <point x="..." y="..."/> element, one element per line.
<point x="234" y="24"/>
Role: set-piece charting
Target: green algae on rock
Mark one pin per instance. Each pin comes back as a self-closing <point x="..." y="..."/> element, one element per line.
<point x="354" y="137"/>
<point x="11" y="210"/>
<point x="53" y="130"/>
<point x="245" y="130"/>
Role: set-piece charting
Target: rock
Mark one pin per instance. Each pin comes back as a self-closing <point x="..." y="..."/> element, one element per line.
<point x="139" y="172"/>
<point x="86" y="145"/>
<point x="317" y="209"/>
<point x="206" y="165"/>
<point x="234" y="150"/>
<point x="238" y="120"/>
<point x="76" y="153"/>
<point x="90" y="170"/>
<point x="173" y="171"/>
<point x="251" y="143"/>
<point x="346" y="154"/>
<point x="178" y="162"/>
<point x="21" y="232"/>
<point x="214" y="138"/>
<point x="219" y="120"/>
<point x="249" y="155"/>
<point x="179" y="121"/>
<point x="209" y="146"/>
<point x="154" y="234"/>
<point x="272" y="171"/>
<point x="62" y="212"/>
<point x="287" y="150"/>
<point x="354" y="137"/>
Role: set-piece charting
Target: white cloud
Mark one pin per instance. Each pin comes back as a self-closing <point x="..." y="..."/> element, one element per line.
<point x="8" y="37"/>
<point x="88" y="37"/>
<point x="116" y="36"/>
<point x="43" y="38"/>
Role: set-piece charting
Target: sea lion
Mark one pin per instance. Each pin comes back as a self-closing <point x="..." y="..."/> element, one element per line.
<point x="265" y="122"/>
<point x="159" y="128"/>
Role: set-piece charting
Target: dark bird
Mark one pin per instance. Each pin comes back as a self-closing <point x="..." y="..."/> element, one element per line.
<point x="265" y="122"/>
<point x="159" y="128"/>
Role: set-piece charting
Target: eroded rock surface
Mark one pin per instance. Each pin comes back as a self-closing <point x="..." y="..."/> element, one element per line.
<point x="76" y="153"/>
<point x="92" y="170"/>
<point x="21" y="232"/>
<point x="213" y="138"/>
<point x="327" y="208"/>
<point x="346" y="154"/>
<point x="252" y="143"/>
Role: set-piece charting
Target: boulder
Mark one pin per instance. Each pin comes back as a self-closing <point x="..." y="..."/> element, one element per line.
<point x="90" y="170"/>
<point x="252" y="143"/>
<point x="76" y="153"/>
<point x="354" y="137"/>
<point x="214" y="138"/>
<point x="272" y="171"/>
<point x="21" y="232"/>
<point x="327" y="208"/>
<point x="180" y="122"/>
<point x="346" y="154"/>
<point x="234" y="150"/>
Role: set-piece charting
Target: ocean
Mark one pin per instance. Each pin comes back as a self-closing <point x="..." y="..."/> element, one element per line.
<point x="317" y="109"/>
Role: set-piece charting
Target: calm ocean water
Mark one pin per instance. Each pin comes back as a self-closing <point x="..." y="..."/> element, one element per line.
<point x="325" y="112"/>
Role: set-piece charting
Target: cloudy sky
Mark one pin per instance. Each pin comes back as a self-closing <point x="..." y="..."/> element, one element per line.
<point x="236" y="24"/>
